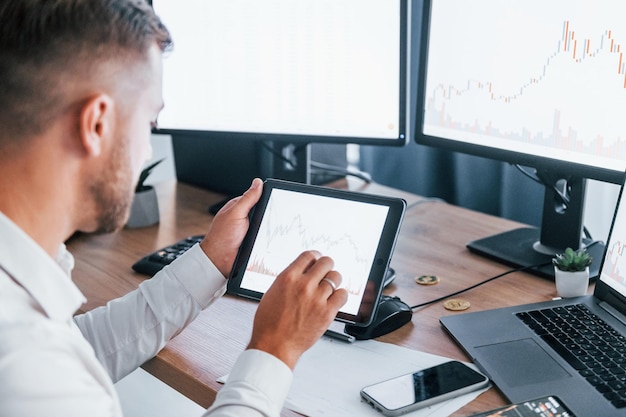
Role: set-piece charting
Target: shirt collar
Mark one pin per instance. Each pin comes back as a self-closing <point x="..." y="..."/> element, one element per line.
<point x="47" y="280"/>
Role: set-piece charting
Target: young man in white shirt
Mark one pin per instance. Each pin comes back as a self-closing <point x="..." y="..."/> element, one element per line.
<point x="80" y="89"/>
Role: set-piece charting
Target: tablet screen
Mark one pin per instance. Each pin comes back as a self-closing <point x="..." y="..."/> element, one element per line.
<point x="357" y="231"/>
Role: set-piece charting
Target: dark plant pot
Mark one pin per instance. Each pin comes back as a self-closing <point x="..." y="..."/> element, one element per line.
<point x="144" y="210"/>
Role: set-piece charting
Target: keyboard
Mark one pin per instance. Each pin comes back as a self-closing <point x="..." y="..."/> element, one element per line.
<point x="154" y="262"/>
<point x="589" y="344"/>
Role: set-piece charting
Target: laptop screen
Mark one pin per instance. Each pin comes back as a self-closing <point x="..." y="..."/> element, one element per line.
<point x="613" y="271"/>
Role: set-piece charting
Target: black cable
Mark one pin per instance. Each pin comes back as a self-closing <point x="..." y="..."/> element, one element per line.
<point x="321" y="167"/>
<point x="278" y="155"/>
<point x="479" y="284"/>
<point x="590" y="244"/>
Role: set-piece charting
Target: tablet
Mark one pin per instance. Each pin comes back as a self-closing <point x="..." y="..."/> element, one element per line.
<point x="358" y="231"/>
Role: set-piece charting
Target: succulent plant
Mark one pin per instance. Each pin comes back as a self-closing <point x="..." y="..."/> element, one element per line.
<point x="141" y="186"/>
<point x="572" y="260"/>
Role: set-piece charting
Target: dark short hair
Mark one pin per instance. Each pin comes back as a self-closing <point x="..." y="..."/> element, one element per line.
<point x="40" y="39"/>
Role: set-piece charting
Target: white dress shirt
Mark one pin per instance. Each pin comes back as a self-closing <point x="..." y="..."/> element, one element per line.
<point x="53" y="364"/>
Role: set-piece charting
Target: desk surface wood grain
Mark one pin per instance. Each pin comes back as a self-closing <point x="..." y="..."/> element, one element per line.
<point x="431" y="242"/>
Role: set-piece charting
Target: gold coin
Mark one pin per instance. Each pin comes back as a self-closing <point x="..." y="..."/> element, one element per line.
<point x="427" y="280"/>
<point x="456" y="304"/>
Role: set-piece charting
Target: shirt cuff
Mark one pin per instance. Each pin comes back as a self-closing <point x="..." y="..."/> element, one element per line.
<point x="258" y="381"/>
<point x="200" y="277"/>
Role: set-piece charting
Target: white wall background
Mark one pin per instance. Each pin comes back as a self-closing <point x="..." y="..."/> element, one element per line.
<point x="600" y="201"/>
<point x="162" y="148"/>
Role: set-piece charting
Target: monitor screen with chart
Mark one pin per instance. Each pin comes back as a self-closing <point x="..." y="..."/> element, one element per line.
<point x="536" y="83"/>
<point x="309" y="70"/>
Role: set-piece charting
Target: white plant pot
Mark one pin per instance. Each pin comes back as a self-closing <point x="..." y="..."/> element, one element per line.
<point x="144" y="210"/>
<point x="571" y="284"/>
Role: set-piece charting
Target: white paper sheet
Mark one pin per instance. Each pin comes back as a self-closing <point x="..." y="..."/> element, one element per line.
<point x="143" y="395"/>
<point x="330" y="375"/>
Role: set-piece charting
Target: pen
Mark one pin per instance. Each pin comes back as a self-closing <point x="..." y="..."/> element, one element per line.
<point x="339" y="336"/>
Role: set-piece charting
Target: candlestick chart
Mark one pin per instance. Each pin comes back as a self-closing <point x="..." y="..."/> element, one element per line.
<point x="535" y="83"/>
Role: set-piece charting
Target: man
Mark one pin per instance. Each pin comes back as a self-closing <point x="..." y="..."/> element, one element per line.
<point x="80" y="87"/>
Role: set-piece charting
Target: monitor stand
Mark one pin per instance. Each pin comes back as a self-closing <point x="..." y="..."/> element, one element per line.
<point x="561" y="227"/>
<point x="286" y="161"/>
<point x="517" y="249"/>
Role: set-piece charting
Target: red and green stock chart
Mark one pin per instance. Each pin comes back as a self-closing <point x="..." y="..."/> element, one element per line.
<point x="347" y="231"/>
<point x="614" y="267"/>
<point x="544" y="77"/>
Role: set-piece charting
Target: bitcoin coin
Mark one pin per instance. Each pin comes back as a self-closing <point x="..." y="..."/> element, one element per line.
<point x="456" y="304"/>
<point x="427" y="280"/>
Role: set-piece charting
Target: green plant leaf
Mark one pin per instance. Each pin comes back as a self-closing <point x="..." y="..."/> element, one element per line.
<point x="144" y="175"/>
<point x="571" y="260"/>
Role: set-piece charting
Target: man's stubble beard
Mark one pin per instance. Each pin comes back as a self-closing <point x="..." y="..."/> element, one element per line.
<point x="113" y="191"/>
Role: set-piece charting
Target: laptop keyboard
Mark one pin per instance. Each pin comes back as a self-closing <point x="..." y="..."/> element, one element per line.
<point x="587" y="343"/>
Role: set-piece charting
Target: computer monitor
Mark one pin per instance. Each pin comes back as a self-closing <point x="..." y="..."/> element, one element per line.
<point x="539" y="83"/>
<point x="245" y="76"/>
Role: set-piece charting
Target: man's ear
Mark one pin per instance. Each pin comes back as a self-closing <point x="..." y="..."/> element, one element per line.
<point x="96" y="123"/>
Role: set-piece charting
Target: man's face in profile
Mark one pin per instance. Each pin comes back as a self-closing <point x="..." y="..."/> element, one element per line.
<point x="136" y="111"/>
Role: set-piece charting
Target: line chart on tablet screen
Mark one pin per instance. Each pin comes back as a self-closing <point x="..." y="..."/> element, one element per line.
<point x="345" y="230"/>
<point x="292" y="234"/>
<point x="535" y="80"/>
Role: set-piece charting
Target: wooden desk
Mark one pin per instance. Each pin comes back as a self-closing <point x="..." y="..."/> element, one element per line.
<point x="432" y="242"/>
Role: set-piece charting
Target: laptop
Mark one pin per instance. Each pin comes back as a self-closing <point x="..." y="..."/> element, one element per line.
<point x="513" y="347"/>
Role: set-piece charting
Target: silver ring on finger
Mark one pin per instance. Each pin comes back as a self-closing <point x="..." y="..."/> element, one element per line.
<point x="331" y="283"/>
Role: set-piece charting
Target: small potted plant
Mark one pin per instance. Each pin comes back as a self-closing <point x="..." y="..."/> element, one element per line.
<point x="571" y="272"/>
<point x="145" y="208"/>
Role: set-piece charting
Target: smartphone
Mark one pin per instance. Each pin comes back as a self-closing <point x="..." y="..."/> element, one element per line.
<point x="419" y="389"/>
<point x="549" y="406"/>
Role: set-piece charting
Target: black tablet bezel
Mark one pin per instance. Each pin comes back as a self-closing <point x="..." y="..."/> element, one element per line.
<point x="380" y="264"/>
